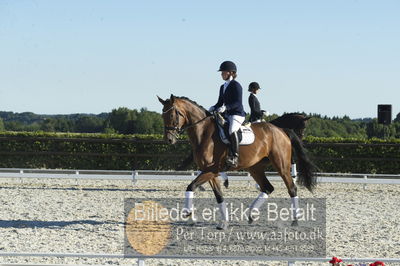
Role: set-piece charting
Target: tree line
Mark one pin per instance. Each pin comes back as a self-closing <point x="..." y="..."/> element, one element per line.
<point x="131" y="121"/>
<point x="121" y="120"/>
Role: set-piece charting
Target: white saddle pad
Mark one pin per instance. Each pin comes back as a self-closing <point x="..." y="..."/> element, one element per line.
<point x="247" y="135"/>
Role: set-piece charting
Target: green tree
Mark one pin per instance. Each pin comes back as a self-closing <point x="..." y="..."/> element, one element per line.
<point x="14" y="126"/>
<point x="48" y="125"/>
<point x="121" y="120"/>
<point x="148" y="123"/>
<point x="375" y="130"/>
<point x="397" y="119"/>
<point x="89" y="124"/>
<point x="63" y="124"/>
<point x="397" y="127"/>
<point x="335" y="127"/>
<point x="1" y="125"/>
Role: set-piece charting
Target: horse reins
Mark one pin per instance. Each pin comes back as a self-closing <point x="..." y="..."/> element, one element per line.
<point x="176" y="127"/>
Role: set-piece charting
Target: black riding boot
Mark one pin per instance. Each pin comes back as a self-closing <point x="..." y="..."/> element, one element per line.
<point x="233" y="157"/>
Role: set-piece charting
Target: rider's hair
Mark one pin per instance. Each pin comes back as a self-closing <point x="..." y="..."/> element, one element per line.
<point x="234" y="74"/>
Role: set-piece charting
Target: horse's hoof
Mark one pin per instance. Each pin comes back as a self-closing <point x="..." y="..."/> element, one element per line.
<point x="223" y="225"/>
<point x="226" y="183"/>
<point x="201" y="188"/>
<point x="250" y="221"/>
<point x="295" y="223"/>
<point x="186" y="214"/>
<point x="191" y="219"/>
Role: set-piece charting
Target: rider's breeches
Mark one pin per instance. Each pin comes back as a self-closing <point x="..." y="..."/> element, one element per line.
<point x="235" y="121"/>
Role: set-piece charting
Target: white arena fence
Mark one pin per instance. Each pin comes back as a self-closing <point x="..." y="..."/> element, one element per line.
<point x="136" y="175"/>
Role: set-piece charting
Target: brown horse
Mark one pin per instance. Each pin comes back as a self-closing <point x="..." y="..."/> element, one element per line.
<point x="295" y="121"/>
<point x="271" y="145"/>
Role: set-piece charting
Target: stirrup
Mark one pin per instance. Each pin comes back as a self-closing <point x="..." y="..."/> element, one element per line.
<point x="232" y="161"/>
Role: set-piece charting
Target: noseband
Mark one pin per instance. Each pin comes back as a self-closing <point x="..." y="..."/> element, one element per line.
<point x="176" y="127"/>
<point x="179" y="130"/>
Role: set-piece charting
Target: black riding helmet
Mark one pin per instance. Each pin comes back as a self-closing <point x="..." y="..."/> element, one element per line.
<point x="228" y="66"/>
<point x="254" y="86"/>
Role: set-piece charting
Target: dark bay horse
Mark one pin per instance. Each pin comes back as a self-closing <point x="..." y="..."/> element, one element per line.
<point x="295" y="121"/>
<point x="271" y="145"/>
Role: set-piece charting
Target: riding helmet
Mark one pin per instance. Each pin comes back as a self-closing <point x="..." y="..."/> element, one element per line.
<point x="254" y="86"/>
<point x="228" y="66"/>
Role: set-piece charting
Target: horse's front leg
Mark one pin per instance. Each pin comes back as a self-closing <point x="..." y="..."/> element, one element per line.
<point x="189" y="194"/>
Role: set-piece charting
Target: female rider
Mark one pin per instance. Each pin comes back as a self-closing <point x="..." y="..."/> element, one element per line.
<point x="256" y="113"/>
<point x="230" y="100"/>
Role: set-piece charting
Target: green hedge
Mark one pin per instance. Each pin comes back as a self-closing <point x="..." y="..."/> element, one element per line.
<point x="126" y="152"/>
<point x="88" y="151"/>
<point x="355" y="155"/>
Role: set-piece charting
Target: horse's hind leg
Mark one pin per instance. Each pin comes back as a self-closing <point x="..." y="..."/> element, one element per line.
<point x="257" y="172"/>
<point x="282" y="163"/>
<point x="223" y="225"/>
<point x="293" y="170"/>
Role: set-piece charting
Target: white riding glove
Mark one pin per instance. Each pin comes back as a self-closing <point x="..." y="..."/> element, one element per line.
<point x="221" y="109"/>
<point x="266" y="113"/>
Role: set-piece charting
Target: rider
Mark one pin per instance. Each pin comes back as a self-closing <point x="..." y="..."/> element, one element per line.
<point x="256" y="113"/>
<point x="230" y="100"/>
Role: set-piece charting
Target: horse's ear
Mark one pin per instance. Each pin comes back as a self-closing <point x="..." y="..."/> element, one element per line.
<point x="161" y="100"/>
<point x="172" y="98"/>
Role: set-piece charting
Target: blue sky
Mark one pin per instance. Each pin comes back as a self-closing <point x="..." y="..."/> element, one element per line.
<point x="334" y="58"/>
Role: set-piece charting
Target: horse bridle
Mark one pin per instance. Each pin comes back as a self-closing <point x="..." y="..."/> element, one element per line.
<point x="176" y="127"/>
<point x="179" y="130"/>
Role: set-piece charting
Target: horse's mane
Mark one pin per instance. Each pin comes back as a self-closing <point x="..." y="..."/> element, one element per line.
<point x="193" y="102"/>
<point x="292" y="114"/>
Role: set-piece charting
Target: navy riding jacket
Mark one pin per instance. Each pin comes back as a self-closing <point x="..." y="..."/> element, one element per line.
<point x="254" y="104"/>
<point x="232" y="98"/>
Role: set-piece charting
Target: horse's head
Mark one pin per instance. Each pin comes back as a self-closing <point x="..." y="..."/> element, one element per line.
<point x="173" y="117"/>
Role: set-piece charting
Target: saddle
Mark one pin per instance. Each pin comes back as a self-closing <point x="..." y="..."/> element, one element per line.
<point x="245" y="133"/>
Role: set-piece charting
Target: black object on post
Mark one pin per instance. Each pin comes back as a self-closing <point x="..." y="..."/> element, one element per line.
<point x="385" y="114"/>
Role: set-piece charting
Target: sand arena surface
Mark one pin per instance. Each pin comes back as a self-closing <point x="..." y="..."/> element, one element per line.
<point x="68" y="216"/>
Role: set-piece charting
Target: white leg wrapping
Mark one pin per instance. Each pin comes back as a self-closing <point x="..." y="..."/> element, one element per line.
<point x="223" y="210"/>
<point x="223" y="175"/>
<point x="295" y="208"/>
<point x="259" y="201"/>
<point x="189" y="201"/>
<point x="293" y="171"/>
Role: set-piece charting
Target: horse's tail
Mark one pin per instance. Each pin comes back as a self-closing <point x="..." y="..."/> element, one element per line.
<point x="306" y="168"/>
